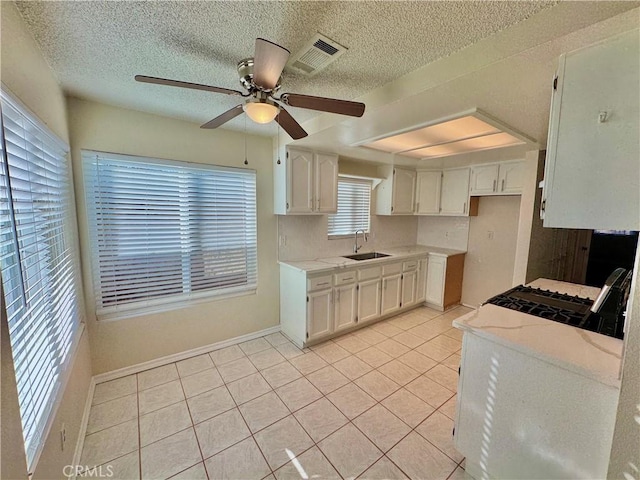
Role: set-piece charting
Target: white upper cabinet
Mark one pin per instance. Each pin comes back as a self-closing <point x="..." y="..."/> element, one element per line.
<point x="484" y="179"/>
<point x="504" y="178"/>
<point x="428" y="193"/>
<point x="396" y="193"/>
<point x="326" y="184"/>
<point x="511" y="177"/>
<point x="305" y="183"/>
<point x="592" y="172"/>
<point x="455" y="192"/>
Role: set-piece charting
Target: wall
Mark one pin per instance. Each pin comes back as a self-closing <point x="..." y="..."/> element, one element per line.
<point x="447" y="232"/>
<point x="490" y="259"/>
<point x="625" y="450"/>
<point x="27" y="76"/>
<point x="120" y="343"/>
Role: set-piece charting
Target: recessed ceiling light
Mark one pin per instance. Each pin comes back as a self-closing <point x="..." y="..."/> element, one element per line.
<point x="471" y="131"/>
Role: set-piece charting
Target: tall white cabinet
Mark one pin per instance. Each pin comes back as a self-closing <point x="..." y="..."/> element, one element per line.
<point x="592" y="172"/>
<point x="305" y="182"/>
<point x="396" y="193"/>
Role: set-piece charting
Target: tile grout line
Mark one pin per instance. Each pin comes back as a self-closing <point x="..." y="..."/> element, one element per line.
<point x="192" y="427"/>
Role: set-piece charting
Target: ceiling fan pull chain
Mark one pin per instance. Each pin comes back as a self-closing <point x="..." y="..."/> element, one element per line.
<point x="246" y="162"/>
<point x="278" y="148"/>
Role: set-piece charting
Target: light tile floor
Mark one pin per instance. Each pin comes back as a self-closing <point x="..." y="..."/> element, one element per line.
<point x="376" y="403"/>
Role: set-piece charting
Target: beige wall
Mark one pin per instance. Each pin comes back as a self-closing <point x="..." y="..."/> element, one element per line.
<point x="27" y="76"/>
<point x="120" y="343"/>
<point x="489" y="263"/>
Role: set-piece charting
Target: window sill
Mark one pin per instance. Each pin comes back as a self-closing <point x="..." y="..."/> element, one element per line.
<point x="342" y="236"/>
<point x="131" y="311"/>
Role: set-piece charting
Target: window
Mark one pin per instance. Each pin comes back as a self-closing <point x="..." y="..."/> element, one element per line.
<point x="40" y="275"/>
<point x="165" y="231"/>
<point x="354" y="200"/>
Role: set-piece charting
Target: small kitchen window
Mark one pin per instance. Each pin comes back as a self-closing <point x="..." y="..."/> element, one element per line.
<point x="354" y="207"/>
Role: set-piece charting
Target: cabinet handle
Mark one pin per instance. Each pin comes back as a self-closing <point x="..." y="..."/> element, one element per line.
<point x="384" y="284"/>
<point x="322" y="284"/>
<point x="464" y="208"/>
<point x="494" y="184"/>
<point x="318" y="203"/>
<point x="418" y="207"/>
<point x="502" y="188"/>
<point x="338" y="299"/>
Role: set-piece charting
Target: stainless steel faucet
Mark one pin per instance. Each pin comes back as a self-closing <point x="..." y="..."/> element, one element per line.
<point x="355" y="235"/>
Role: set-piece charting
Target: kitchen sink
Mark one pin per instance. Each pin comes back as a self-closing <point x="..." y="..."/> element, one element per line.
<point x="366" y="256"/>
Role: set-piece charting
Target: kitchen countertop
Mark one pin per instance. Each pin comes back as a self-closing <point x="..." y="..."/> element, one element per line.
<point x="318" y="265"/>
<point x="587" y="353"/>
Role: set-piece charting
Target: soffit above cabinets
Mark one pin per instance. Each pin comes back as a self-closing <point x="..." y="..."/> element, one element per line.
<point x="463" y="133"/>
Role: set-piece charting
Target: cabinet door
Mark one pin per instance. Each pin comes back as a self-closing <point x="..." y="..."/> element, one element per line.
<point x="391" y="291"/>
<point x="409" y="285"/>
<point x="428" y="193"/>
<point x="455" y="192"/>
<point x="511" y="177"/>
<point x="404" y="190"/>
<point x="592" y="170"/>
<point x="326" y="187"/>
<point x="319" y="314"/>
<point x="435" y="280"/>
<point x="299" y="181"/>
<point x="421" y="282"/>
<point x="369" y="300"/>
<point x="345" y="306"/>
<point x="484" y="179"/>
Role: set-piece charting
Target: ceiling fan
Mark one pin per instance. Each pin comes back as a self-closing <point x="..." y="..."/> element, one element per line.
<point x="260" y="78"/>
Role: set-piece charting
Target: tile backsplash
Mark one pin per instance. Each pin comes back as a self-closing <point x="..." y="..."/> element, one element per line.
<point x="304" y="237"/>
<point x="446" y="232"/>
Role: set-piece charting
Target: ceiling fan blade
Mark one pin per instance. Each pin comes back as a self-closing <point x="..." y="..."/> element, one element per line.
<point x="224" y="118"/>
<point x="269" y="60"/>
<point x="332" y="105"/>
<point x="178" y="83"/>
<point x="290" y="125"/>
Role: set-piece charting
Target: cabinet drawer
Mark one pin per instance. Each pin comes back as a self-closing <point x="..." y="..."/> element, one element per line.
<point x="391" y="269"/>
<point x="409" y="265"/>
<point x="369" y="273"/>
<point x="344" y="277"/>
<point x="316" y="283"/>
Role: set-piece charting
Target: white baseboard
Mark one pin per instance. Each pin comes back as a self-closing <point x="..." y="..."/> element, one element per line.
<point x="83" y="425"/>
<point x="176" y="357"/>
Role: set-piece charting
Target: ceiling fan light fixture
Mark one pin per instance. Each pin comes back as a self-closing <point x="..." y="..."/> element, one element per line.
<point x="260" y="110"/>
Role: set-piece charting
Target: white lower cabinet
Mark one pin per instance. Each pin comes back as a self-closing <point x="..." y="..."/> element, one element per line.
<point x="391" y="294"/>
<point x="319" y="314"/>
<point x="346" y="303"/>
<point x="369" y="300"/>
<point x="342" y="299"/>
<point x="435" y="280"/>
<point x="421" y="282"/>
<point x="515" y="425"/>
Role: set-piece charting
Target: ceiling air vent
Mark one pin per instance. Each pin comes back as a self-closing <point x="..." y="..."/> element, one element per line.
<point x="315" y="56"/>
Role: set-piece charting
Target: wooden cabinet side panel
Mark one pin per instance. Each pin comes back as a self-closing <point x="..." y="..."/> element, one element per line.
<point x="453" y="280"/>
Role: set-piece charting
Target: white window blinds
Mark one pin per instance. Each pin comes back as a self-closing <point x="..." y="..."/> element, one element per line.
<point x="39" y="266"/>
<point x="166" y="231"/>
<point x="354" y="200"/>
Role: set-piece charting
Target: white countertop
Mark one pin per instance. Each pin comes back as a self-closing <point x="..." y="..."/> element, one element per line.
<point x="588" y="353"/>
<point x="317" y="265"/>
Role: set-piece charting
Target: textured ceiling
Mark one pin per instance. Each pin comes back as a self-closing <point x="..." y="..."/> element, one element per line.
<point x="96" y="47"/>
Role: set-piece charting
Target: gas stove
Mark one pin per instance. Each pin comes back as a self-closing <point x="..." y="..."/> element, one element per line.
<point x="559" y="307"/>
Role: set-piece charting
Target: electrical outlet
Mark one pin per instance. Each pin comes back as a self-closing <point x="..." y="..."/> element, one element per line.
<point x="283" y="240"/>
<point x="446" y="234"/>
<point x="63" y="437"/>
<point x="490" y="234"/>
